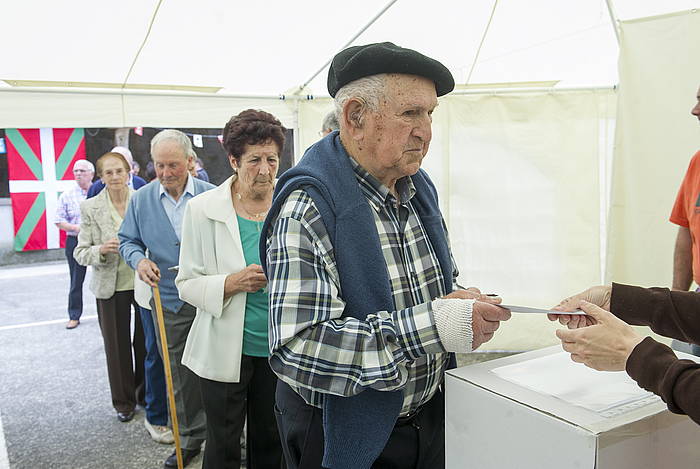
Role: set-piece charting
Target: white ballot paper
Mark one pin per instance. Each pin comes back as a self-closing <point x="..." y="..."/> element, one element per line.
<point x="525" y="309"/>
<point x="556" y="375"/>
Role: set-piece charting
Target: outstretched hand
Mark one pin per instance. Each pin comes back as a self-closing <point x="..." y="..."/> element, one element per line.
<point x="603" y="346"/>
<point x="599" y="296"/>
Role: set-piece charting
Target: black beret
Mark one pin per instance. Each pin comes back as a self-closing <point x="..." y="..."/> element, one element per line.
<point x="384" y="57"/>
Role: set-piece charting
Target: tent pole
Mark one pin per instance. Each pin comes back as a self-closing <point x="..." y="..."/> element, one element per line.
<point x="364" y="28"/>
<point x="613" y="20"/>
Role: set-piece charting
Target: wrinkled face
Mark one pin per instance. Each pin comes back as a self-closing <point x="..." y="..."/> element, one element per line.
<point x="696" y="109"/>
<point x="114" y="174"/>
<point x="257" y="167"/>
<point x="398" y="136"/>
<point x="171" y="164"/>
<point x="83" y="174"/>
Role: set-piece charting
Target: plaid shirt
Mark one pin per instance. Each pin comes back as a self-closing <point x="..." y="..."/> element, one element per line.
<point x="68" y="210"/>
<point x="313" y="348"/>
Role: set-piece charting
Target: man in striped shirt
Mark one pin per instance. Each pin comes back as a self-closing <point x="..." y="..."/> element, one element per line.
<point x="68" y="219"/>
<point x="362" y="307"/>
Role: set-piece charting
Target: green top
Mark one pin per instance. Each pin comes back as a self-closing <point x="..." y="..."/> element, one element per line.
<point x="125" y="274"/>
<point x="255" y="341"/>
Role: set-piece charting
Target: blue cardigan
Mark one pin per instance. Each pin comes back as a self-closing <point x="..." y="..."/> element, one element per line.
<point x="356" y="428"/>
<point x="146" y="226"/>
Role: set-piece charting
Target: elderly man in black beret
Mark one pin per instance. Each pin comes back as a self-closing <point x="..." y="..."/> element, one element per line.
<point x="363" y="307"/>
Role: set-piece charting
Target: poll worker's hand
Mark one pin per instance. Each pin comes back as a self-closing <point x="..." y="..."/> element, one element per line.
<point x="486" y="318"/>
<point x="148" y="272"/>
<point x="111" y="246"/>
<point x="599" y="296"/>
<point x="604" y="346"/>
<point x="473" y="293"/>
<point x="249" y="280"/>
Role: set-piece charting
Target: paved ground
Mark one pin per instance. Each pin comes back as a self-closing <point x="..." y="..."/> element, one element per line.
<point x="55" y="409"/>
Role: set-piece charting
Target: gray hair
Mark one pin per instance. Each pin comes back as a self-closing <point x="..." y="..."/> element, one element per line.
<point x="369" y="89"/>
<point x="330" y="122"/>
<point x="88" y="165"/>
<point x="175" y="136"/>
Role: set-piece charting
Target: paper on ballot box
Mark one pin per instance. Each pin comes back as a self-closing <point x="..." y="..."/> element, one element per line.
<point x="541" y="410"/>
<point x="557" y="376"/>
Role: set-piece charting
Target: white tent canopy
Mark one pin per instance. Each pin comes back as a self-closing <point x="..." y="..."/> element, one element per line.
<point x="522" y="151"/>
<point x="271" y="48"/>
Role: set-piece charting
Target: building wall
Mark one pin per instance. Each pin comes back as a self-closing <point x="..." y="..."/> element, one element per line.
<point x="8" y="256"/>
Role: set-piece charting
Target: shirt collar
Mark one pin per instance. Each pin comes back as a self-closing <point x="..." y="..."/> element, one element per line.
<point x="377" y="193"/>
<point x="189" y="188"/>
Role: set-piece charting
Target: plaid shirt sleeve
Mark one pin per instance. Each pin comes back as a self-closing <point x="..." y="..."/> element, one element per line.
<point x="312" y="345"/>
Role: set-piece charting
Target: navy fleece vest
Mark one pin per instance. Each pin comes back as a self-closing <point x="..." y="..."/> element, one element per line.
<point x="356" y="428"/>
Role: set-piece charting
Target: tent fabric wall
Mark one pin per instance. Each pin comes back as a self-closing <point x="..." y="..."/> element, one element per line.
<point x="656" y="137"/>
<point x="520" y="177"/>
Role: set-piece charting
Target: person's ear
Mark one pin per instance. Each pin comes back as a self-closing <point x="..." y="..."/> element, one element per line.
<point x="353" y="113"/>
<point x="232" y="161"/>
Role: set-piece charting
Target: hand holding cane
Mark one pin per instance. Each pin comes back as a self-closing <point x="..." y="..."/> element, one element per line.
<point x="168" y="374"/>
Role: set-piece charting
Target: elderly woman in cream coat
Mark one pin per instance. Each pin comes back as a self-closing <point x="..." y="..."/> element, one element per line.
<point x="219" y="273"/>
<point x="113" y="284"/>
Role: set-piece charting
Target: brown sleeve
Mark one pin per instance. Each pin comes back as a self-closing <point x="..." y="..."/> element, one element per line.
<point x="656" y="368"/>
<point x="669" y="313"/>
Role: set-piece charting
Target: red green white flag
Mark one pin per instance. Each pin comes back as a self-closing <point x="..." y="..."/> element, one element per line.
<point x="40" y="163"/>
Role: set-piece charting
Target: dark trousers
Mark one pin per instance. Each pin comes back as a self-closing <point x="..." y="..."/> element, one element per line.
<point x="188" y="398"/>
<point x="156" y="396"/>
<point x="126" y="373"/>
<point x="228" y="404"/>
<point x="416" y="443"/>
<point x="77" y="276"/>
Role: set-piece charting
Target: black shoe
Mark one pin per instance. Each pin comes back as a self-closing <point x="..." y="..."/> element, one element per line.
<point x="125" y="416"/>
<point x="187" y="456"/>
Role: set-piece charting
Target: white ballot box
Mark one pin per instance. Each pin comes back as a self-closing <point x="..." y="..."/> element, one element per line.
<point x="540" y="410"/>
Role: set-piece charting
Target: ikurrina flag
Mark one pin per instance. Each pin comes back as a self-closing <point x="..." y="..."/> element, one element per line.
<point x="40" y="166"/>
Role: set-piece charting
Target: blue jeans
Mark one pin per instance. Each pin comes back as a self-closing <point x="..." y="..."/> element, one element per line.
<point x="77" y="276"/>
<point x="156" y="394"/>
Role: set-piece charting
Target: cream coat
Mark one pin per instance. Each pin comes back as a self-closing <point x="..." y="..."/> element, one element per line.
<point x="210" y="250"/>
<point x="97" y="227"/>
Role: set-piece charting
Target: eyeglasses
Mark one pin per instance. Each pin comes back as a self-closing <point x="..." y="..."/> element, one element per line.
<point x="80" y="171"/>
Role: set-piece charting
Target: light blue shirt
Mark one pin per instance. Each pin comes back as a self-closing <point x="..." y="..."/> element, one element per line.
<point x="175" y="210"/>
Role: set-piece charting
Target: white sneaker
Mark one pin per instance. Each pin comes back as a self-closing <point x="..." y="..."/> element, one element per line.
<point x="159" y="433"/>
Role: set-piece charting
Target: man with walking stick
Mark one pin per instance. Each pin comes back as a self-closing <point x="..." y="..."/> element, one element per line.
<point x="153" y="222"/>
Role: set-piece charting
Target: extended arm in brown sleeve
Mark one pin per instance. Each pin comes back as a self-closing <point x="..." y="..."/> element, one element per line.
<point x="653" y="365"/>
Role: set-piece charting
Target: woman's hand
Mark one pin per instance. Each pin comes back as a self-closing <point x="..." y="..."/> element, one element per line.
<point x="111" y="246"/>
<point x="599" y="296"/>
<point x="604" y="346"/>
<point x="249" y="280"/>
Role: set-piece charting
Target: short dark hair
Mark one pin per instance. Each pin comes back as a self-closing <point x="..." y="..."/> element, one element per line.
<point x="252" y="127"/>
<point x="112" y="154"/>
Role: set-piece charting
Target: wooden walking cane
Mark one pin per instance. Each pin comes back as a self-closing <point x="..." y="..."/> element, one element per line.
<point x="168" y="374"/>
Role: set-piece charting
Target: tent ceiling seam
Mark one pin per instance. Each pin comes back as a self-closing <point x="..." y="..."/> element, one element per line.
<point x="371" y="22"/>
<point x="143" y="43"/>
<point x="483" y="38"/>
<point x="613" y="19"/>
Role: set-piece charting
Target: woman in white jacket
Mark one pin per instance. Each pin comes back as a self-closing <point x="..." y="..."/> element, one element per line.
<point x="219" y="273"/>
<point x="113" y="283"/>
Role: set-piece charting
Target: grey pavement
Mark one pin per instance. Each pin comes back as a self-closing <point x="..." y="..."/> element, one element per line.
<point x="55" y="407"/>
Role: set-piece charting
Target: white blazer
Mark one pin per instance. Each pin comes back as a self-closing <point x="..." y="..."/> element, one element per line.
<point x="211" y="249"/>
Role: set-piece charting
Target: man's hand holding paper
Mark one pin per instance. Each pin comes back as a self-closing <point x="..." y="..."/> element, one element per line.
<point x="465" y="325"/>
